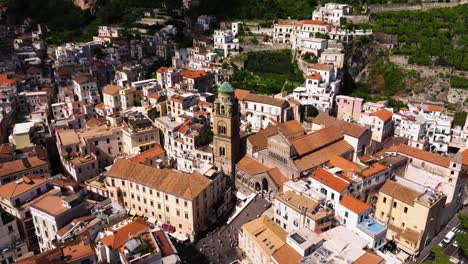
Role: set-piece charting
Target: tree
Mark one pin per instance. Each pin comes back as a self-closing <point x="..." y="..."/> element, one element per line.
<point x="462" y="238"/>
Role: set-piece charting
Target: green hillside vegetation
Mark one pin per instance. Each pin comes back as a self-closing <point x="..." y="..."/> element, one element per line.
<point x="67" y="22"/>
<point x="437" y="36"/>
<point x="257" y="9"/>
<point x="268" y="72"/>
<point x="459" y="82"/>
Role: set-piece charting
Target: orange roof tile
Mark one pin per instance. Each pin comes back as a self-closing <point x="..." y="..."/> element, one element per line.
<point x="15" y="166"/>
<point x="193" y="74"/>
<point x="323" y="155"/>
<point x="346" y="165"/>
<point x="111" y="89"/>
<point x="434" y="108"/>
<point x="240" y="94"/>
<point x="184" y="185"/>
<point x="315" y="76"/>
<point x="465" y="157"/>
<point x="313" y="22"/>
<point x="329" y="180"/>
<point x="354" y="204"/>
<point x="251" y="166"/>
<point x="148" y="154"/>
<point x="78" y="251"/>
<point x="123" y="234"/>
<point x="51" y="204"/>
<point x="286" y="255"/>
<point x="14" y="189"/>
<point x="321" y="67"/>
<point x="373" y="169"/>
<point x="369" y="258"/>
<point x="161" y="69"/>
<point x="423" y="155"/>
<point x="316" y="140"/>
<point x="383" y="114"/>
<point x="278" y="178"/>
<point x="4" y="80"/>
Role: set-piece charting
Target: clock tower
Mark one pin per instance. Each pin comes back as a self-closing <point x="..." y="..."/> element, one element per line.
<point x="226" y="125"/>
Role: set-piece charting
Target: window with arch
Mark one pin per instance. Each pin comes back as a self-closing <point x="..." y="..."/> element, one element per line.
<point x="221" y="128"/>
<point x="222" y="151"/>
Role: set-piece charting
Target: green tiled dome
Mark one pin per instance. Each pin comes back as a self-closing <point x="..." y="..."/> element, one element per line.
<point x="226" y="88"/>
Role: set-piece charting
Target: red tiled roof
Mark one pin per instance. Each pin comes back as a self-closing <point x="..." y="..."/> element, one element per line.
<point x="346" y="165"/>
<point x="240" y="94"/>
<point x="422" y="155"/>
<point x="383" y="114"/>
<point x="315" y="76"/>
<point x="123" y="234"/>
<point x="316" y="140"/>
<point x="329" y="180"/>
<point x="313" y="22"/>
<point x="354" y="204"/>
<point x="193" y="74"/>
<point x="148" y="154"/>
<point x="4" y="80"/>
<point x="465" y="157"/>
<point x="251" y="166"/>
<point x="111" y="89"/>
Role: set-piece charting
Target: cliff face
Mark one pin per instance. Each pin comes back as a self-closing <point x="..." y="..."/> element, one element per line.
<point x="359" y="54"/>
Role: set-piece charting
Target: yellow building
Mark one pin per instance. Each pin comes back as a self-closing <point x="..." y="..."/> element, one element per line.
<point x="181" y="202"/>
<point x="263" y="242"/>
<point x="411" y="212"/>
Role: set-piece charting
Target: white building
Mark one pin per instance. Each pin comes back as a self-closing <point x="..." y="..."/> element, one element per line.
<point x="355" y="215"/>
<point x="320" y="88"/>
<point x="332" y="13"/>
<point x="85" y="87"/>
<point x="380" y="123"/>
<point x="224" y="40"/>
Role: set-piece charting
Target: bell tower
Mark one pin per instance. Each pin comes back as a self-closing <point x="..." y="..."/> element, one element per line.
<point x="226" y="125"/>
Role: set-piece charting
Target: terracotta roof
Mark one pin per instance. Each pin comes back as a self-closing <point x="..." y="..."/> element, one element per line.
<point x="373" y="169"/>
<point x="123" y="234"/>
<point x="323" y="155"/>
<point x="6" y="150"/>
<point x="286" y="255"/>
<point x="62" y="231"/>
<point x="313" y="22"/>
<point x="177" y="98"/>
<point x="346" y="165"/>
<point x="278" y="178"/>
<point x="162" y="69"/>
<point x="251" y="166"/>
<point x="321" y="67"/>
<point x="187" y="186"/>
<point x="193" y="74"/>
<point x="240" y="94"/>
<point x="15" y="166"/>
<point x="355" y="205"/>
<point x="400" y="192"/>
<point x="83" y="78"/>
<point x="316" y="140"/>
<point x="101" y="105"/>
<point x="164" y="243"/>
<point x="14" y="189"/>
<point x="290" y="128"/>
<point x="264" y="99"/>
<point x="53" y="256"/>
<point x="329" y="180"/>
<point x="369" y="258"/>
<point x="432" y="108"/>
<point x="423" y="155"/>
<point x="315" y="76"/>
<point x="78" y="251"/>
<point x="351" y="129"/>
<point x="383" y="114"/>
<point x="68" y="137"/>
<point x="51" y="204"/>
<point x="465" y="157"/>
<point x="4" y="80"/>
<point x="148" y="154"/>
<point x="111" y="89"/>
<point x="259" y="140"/>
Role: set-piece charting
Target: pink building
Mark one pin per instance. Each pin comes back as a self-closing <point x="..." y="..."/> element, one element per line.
<point x="349" y="108"/>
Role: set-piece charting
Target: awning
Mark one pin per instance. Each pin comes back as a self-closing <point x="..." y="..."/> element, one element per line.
<point x="168" y="228"/>
<point x="140" y="214"/>
<point x="152" y="220"/>
<point x="132" y="212"/>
